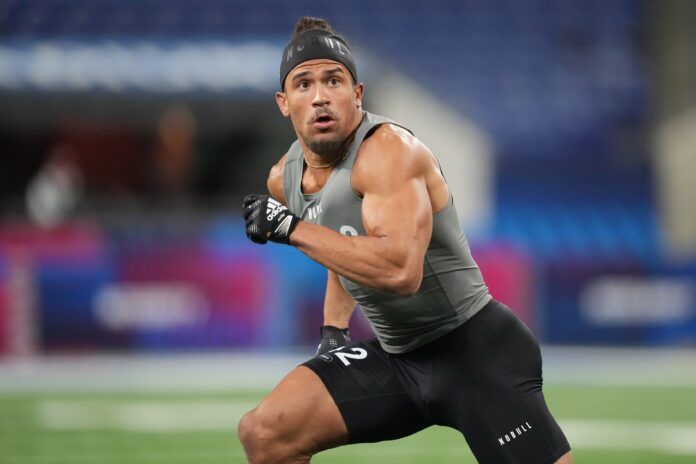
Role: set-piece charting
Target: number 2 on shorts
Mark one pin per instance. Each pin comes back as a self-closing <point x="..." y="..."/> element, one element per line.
<point x="358" y="353"/>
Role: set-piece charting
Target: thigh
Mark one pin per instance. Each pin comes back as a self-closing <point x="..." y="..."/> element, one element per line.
<point x="364" y="387"/>
<point x="489" y="386"/>
<point x="300" y="413"/>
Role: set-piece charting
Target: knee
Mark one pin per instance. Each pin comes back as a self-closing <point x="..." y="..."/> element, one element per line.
<point x="245" y="429"/>
<point x="254" y="436"/>
<point x="263" y="443"/>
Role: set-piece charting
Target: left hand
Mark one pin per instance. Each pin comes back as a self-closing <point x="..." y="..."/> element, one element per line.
<point x="266" y="219"/>
<point x="332" y="338"/>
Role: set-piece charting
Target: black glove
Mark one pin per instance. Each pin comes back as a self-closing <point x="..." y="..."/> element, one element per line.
<point x="332" y="338"/>
<point x="266" y="219"/>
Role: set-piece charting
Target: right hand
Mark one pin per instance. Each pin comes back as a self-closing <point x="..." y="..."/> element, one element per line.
<point x="267" y="219"/>
<point x="332" y="338"/>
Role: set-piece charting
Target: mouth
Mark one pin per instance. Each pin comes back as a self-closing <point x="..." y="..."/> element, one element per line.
<point x="323" y="121"/>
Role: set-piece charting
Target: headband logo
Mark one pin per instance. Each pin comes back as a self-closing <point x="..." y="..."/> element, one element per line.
<point x="330" y="42"/>
<point x="334" y="44"/>
<point x="311" y="46"/>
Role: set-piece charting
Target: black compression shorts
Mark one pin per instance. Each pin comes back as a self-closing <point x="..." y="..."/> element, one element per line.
<point x="483" y="379"/>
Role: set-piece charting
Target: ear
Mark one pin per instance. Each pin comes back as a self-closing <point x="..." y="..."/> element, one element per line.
<point x="359" y="90"/>
<point x="282" y="101"/>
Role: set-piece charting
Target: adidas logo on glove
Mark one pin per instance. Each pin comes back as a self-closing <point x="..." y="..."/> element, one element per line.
<point x="273" y="208"/>
<point x="276" y="225"/>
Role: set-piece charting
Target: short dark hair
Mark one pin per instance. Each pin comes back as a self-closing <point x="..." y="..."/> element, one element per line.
<point x="306" y="23"/>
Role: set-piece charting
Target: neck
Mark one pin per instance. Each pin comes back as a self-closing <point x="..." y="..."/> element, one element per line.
<point x="328" y="165"/>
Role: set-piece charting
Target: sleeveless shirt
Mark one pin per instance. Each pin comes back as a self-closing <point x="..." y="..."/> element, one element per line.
<point x="452" y="289"/>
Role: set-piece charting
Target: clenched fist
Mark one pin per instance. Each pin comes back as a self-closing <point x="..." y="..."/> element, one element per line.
<point x="266" y="219"/>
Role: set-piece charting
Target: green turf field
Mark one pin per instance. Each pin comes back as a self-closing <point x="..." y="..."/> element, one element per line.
<point x="605" y="425"/>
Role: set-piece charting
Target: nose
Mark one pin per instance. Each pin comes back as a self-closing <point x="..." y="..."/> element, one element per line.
<point x="321" y="97"/>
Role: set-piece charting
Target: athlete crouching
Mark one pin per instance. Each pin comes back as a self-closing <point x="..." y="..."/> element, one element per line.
<point x="361" y="195"/>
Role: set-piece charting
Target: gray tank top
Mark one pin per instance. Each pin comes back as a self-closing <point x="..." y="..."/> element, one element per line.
<point x="452" y="290"/>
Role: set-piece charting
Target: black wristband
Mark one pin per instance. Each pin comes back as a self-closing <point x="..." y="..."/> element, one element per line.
<point x="332" y="330"/>
<point x="286" y="226"/>
<point x="332" y="337"/>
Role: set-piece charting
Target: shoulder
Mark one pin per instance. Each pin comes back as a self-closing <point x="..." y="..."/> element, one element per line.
<point x="390" y="149"/>
<point x="275" y="180"/>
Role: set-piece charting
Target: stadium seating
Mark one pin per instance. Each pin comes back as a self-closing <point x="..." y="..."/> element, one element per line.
<point x="560" y="85"/>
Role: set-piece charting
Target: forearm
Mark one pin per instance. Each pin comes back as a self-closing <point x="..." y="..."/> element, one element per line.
<point x="373" y="261"/>
<point x="338" y="304"/>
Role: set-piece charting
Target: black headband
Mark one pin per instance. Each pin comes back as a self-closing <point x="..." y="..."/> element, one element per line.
<point x="316" y="44"/>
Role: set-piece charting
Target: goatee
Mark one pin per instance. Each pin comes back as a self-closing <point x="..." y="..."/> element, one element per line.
<point x="327" y="148"/>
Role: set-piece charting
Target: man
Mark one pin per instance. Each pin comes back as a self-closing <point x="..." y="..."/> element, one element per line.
<point x="361" y="195"/>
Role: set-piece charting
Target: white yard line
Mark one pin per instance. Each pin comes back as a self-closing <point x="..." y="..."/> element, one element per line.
<point x="90" y="458"/>
<point x="142" y="416"/>
<point x="162" y="416"/>
<point x="261" y="371"/>
<point x="641" y="367"/>
<point x="666" y="437"/>
<point x="146" y="372"/>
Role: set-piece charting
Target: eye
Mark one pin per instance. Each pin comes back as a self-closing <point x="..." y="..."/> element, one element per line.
<point x="303" y="84"/>
<point x="334" y="81"/>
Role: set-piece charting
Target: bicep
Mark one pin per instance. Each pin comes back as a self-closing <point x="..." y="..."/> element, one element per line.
<point x="398" y="207"/>
<point x="275" y="181"/>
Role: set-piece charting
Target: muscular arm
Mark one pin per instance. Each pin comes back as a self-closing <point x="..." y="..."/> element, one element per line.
<point x="397" y="215"/>
<point x="275" y="181"/>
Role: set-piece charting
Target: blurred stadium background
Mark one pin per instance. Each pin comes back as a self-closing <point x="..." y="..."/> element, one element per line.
<point x="136" y="322"/>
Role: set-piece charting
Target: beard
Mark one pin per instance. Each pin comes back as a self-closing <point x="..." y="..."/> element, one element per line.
<point x="326" y="148"/>
<point x="328" y="145"/>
